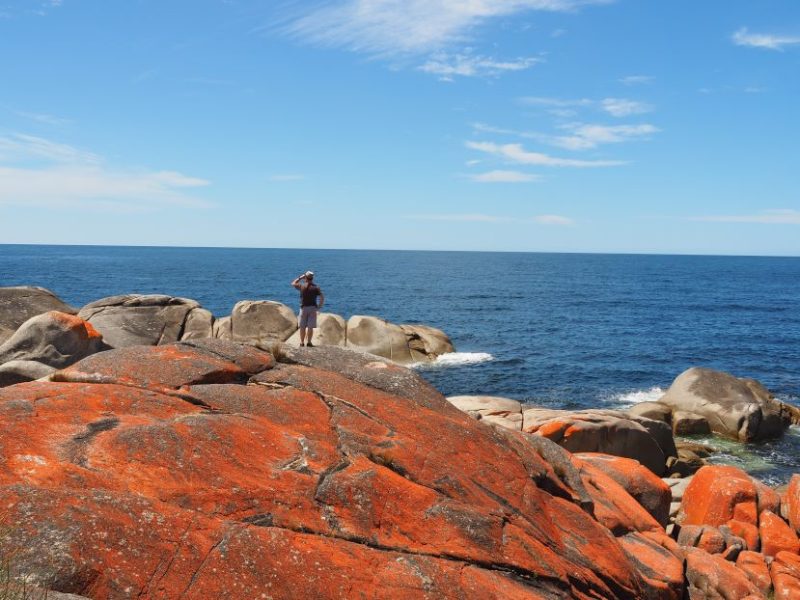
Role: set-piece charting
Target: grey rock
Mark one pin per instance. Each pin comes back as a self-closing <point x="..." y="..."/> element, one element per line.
<point x="262" y="322"/>
<point x="331" y="330"/>
<point x="54" y="339"/>
<point x="689" y="423"/>
<point x="44" y="343"/>
<point x="652" y="410"/>
<point x="133" y="320"/>
<point x="18" y="304"/>
<point x="20" y="371"/>
<point x="199" y="324"/>
<point x="222" y="329"/>
<point x="378" y="337"/>
<point x="426" y="343"/>
<point x="741" y="409"/>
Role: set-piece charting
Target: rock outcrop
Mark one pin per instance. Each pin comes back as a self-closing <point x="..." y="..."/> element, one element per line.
<point x="18" y="304"/>
<point x="596" y="430"/>
<point x="45" y="343"/>
<point x="154" y="319"/>
<point x="204" y="469"/>
<point x="741" y="409"/>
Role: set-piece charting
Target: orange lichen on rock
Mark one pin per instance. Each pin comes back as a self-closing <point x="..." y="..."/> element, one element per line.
<point x="160" y="472"/>
<point x="718" y="494"/>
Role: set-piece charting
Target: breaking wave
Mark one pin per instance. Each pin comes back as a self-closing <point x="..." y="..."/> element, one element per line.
<point x="637" y="396"/>
<point x="457" y="359"/>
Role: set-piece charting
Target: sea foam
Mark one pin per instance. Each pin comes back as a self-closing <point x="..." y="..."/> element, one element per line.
<point x="457" y="359"/>
<point x="637" y="396"/>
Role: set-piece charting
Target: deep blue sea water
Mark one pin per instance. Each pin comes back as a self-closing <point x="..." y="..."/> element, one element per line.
<point x="562" y="330"/>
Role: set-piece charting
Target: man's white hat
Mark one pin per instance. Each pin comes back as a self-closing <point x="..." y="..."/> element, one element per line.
<point x="309" y="273"/>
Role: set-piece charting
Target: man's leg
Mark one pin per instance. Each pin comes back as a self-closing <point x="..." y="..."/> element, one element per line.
<point x="303" y="336"/>
<point x="310" y="334"/>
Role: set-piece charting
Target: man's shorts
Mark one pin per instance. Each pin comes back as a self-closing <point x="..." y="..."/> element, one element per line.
<point x="308" y="317"/>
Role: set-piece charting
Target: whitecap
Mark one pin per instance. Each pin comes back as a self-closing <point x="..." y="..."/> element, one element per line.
<point x="635" y="397"/>
<point x="457" y="359"/>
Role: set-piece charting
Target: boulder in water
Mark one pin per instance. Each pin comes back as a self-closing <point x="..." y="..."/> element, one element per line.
<point x="379" y="337"/>
<point x="742" y="409"/>
<point x="426" y="343"/>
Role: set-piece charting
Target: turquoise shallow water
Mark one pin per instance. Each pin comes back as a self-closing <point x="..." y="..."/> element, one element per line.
<point x="561" y="330"/>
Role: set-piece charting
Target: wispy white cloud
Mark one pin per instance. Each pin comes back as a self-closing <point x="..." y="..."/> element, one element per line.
<point x="391" y="27"/>
<point x="500" y="176"/>
<point x="768" y="41"/>
<point x="637" y="79"/>
<point x="39" y="172"/>
<point x="462" y="218"/>
<point x="448" y="66"/>
<point x="44" y="118"/>
<point x="622" y="107"/>
<point x="785" y="216"/>
<point x="586" y="137"/>
<point x="517" y="154"/>
<point x="581" y="136"/>
<point x="553" y="220"/>
<point x="483" y="218"/>
<point x="287" y="177"/>
<point x="568" y="107"/>
<point x="18" y="148"/>
<point x="556" y="102"/>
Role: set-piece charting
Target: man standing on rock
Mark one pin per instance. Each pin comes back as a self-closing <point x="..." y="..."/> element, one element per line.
<point x="309" y="292"/>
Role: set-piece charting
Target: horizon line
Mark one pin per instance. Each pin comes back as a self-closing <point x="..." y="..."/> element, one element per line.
<point x="568" y="252"/>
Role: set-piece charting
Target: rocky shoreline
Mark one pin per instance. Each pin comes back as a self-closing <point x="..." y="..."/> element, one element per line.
<point x="236" y="465"/>
<point x="39" y="333"/>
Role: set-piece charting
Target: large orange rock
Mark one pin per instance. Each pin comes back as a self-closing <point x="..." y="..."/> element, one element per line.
<point x="606" y="431"/>
<point x="712" y="577"/>
<point x="659" y="561"/>
<point x="613" y="506"/>
<point x="640" y="482"/>
<point x="755" y="567"/>
<point x="791" y="503"/>
<point x="718" y="494"/>
<point x="160" y="472"/>
<point x="776" y="535"/>
<point x="785" y="571"/>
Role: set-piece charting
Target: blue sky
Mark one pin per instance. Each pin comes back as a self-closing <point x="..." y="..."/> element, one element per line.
<point x="523" y="125"/>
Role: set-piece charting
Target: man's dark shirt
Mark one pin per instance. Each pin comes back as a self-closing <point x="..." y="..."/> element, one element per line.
<point x="308" y="294"/>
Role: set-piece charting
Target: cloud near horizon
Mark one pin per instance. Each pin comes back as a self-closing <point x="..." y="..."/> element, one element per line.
<point x="38" y="172"/>
<point x="582" y="136"/>
<point x="483" y="218"/>
<point x="516" y="153"/>
<point x="768" y="41"/>
<point x="500" y="176"/>
<point x="783" y="216"/>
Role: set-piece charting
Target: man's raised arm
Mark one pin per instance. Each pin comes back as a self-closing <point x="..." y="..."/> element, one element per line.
<point x="296" y="282"/>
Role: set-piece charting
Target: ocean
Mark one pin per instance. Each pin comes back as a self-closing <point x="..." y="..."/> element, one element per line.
<point x="558" y="330"/>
